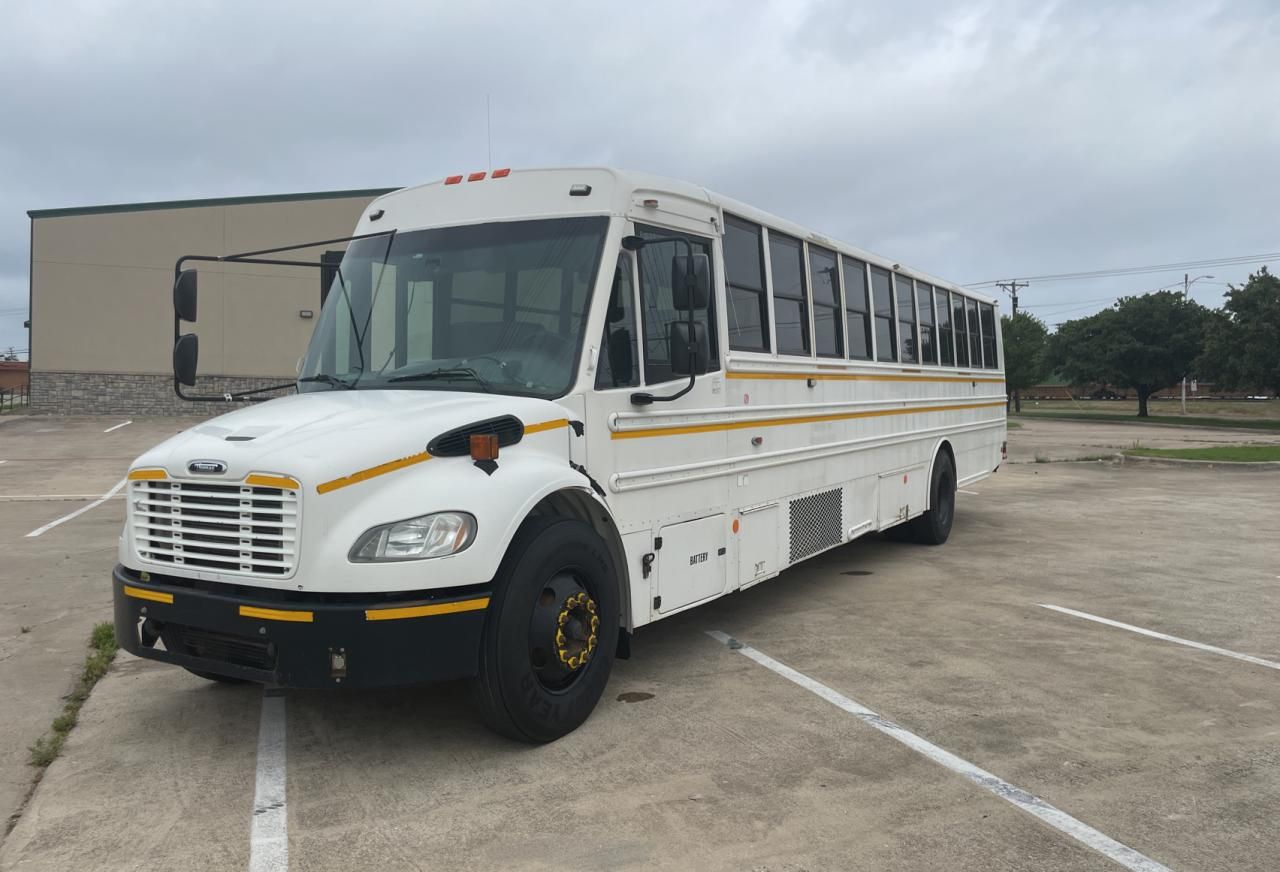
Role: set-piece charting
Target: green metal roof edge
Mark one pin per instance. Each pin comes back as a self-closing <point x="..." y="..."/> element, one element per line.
<point x="216" y="201"/>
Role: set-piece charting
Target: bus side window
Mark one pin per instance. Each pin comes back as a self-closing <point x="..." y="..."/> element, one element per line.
<point x="617" y="367"/>
<point x="657" y="311"/>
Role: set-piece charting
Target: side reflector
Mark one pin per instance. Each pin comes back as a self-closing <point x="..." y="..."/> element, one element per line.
<point x="452" y="180"/>
<point x="484" y="446"/>
<point x="501" y="174"/>
<point x="475" y="177"/>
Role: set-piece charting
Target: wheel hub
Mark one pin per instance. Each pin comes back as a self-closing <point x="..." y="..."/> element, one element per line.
<point x="563" y="632"/>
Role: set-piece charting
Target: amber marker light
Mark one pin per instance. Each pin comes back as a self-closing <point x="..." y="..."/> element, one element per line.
<point x="484" y="446"/>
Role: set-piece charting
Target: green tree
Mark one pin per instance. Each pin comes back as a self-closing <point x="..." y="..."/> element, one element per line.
<point x="1242" y="348"/>
<point x="1147" y="343"/>
<point x="1025" y="345"/>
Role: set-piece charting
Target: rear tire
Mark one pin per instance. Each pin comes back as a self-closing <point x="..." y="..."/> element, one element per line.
<point x="934" y="526"/>
<point x="551" y="633"/>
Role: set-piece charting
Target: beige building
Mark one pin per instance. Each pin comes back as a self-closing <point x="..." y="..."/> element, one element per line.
<point x="101" y="297"/>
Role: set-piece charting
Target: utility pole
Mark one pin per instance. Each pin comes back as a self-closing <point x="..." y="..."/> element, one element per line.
<point x="1011" y="288"/>
<point x="1187" y="282"/>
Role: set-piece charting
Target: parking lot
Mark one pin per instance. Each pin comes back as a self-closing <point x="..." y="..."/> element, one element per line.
<point x="698" y="756"/>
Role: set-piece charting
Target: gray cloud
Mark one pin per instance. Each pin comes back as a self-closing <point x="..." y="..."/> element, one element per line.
<point x="975" y="140"/>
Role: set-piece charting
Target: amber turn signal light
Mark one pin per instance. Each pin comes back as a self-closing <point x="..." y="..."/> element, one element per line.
<point x="484" y="446"/>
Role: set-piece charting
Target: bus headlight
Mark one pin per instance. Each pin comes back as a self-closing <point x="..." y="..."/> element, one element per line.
<point x="435" y="535"/>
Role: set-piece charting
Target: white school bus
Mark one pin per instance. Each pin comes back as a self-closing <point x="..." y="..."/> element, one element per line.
<point x="540" y="410"/>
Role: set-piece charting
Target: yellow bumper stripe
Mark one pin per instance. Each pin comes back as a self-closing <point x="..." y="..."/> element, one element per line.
<point x="147" y="475"/>
<point x="281" y="481"/>
<point x="372" y="472"/>
<point x="546" y="425"/>
<point x="472" y="605"/>
<point x="143" y="594"/>
<point x="276" y="614"/>
<point x="797" y="419"/>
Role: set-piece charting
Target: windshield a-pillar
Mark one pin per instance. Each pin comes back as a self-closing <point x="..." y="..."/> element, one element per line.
<point x="494" y="307"/>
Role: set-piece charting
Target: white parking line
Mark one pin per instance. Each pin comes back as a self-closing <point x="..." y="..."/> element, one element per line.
<point x="78" y="512"/>
<point x="1200" y="646"/>
<point x="117" y="426"/>
<point x="1034" y="805"/>
<point x="969" y="492"/>
<point x="269" y="831"/>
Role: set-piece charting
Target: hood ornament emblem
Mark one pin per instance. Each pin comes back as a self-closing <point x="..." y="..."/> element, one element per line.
<point x="207" y="467"/>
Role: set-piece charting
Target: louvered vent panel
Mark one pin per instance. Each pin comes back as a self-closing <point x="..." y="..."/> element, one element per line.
<point x="232" y="528"/>
<point x="817" y="522"/>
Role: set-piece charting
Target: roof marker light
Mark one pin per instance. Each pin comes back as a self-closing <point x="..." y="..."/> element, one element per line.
<point x="650" y="204"/>
<point x="579" y="190"/>
<point x="452" y="180"/>
<point x="476" y="177"/>
<point x="501" y="174"/>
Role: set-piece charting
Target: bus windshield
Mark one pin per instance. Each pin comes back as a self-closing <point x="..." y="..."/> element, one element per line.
<point x="496" y="307"/>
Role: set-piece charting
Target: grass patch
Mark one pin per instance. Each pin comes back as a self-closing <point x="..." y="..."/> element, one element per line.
<point x="1174" y="420"/>
<point x="1219" y="453"/>
<point x="1013" y="425"/>
<point x="102" y="650"/>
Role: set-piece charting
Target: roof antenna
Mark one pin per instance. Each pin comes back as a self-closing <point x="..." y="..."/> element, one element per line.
<point x="488" y="130"/>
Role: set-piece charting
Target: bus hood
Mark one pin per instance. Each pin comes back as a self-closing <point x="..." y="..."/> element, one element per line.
<point x="322" y="435"/>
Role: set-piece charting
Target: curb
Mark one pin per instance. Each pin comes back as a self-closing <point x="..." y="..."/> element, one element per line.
<point x="1272" y="465"/>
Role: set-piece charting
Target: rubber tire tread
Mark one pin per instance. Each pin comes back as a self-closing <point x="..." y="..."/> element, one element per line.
<point x="506" y="693"/>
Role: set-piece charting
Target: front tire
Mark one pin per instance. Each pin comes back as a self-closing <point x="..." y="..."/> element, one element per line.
<point x="551" y="632"/>
<point x="934" y="526"/>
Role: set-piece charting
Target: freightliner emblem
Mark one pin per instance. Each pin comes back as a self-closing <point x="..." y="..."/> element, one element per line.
<point x="206" y="467"/>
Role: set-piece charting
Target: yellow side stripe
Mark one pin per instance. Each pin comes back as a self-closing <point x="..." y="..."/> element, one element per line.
<point x="147" y="475"/>
<point x="546" y="425"/>
<point x="143" y="594"/>
<point x="276" y="614"/>
<point x="372" y="472"/>
<point x="472" y="605"/>
<point x="859" y="376"/>
<point x="280" y="481"/>
<point x="799" y="419"/>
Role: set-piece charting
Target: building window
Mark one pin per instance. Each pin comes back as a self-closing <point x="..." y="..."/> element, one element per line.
<point x="946" y="342"/>
<point x="886" y="335"/>
<point x="790" y="303"/>
<point x="618" y="365"/>
<point x="824" y="278"/>
<point x="962" y="330"/>
<point x="988" y="315"/>
<point x="744" y="278"/>
<point x="857" y="313"/>
<point x="975" y="334"/>
<point x="906" y="318"/>
<point x="657" y="311"/>
<point x="928" y="336"/>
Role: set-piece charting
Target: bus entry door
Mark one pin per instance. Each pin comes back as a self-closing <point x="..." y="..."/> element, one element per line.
<point x="691" y="562"/>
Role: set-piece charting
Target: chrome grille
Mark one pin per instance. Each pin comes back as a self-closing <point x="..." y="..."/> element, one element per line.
<point x="236" y="528"/>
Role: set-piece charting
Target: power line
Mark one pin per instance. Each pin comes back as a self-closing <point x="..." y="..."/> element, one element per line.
<point x="1238" y="260"/>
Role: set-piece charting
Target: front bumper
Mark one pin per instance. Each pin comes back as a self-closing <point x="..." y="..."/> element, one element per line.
<point x="305" y="643"/>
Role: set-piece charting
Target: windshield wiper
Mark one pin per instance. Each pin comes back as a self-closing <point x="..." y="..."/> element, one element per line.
<point x="446" y="372"/>
<point x="326" y="379"/>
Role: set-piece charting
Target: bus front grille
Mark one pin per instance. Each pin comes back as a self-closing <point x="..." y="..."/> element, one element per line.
<point x="235" y="528"/>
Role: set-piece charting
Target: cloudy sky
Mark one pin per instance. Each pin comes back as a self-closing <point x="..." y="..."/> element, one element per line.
<point x="975" y="140"/>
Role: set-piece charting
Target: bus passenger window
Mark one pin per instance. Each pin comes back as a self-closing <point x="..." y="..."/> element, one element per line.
<point x="886" y="335"/>
<point x="924" y="305"/>
<point x="656" y="309"/>
<point x="906" y="318"/>
<point x="988" y="317"/>
<point x="962" y="330"/>
<point x="617" y="367"/>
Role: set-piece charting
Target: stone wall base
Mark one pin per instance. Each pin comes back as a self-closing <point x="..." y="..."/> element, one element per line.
<point x="109" y="393"/>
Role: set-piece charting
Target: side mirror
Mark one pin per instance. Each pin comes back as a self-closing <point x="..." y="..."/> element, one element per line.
<point x="186" y="351"/>
<point x="689" y="354"/>
<point x="184" y="295"/>
<point x="690" y="282"/>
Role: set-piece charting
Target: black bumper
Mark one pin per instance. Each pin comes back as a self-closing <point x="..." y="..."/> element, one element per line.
<point x="299" y="643"/>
